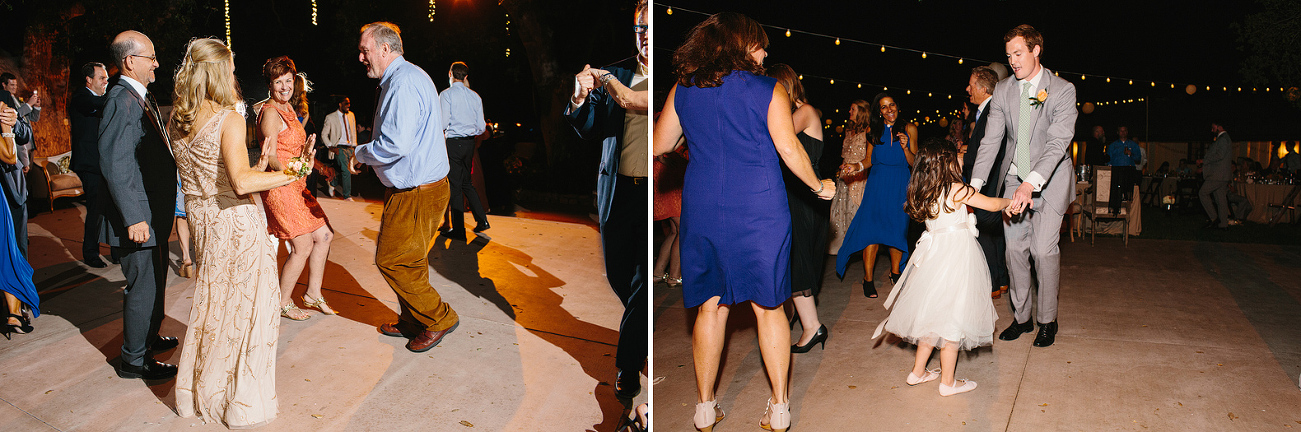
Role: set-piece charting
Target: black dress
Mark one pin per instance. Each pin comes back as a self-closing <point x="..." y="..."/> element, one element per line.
<point x="810" y="225"/>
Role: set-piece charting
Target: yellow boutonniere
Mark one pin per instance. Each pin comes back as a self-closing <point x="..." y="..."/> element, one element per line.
<point x="1039" y="98"/>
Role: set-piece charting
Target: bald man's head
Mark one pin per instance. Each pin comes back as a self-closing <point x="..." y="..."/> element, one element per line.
<point x="133" y="53"/>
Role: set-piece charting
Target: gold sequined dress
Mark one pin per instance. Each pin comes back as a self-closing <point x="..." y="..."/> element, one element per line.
<point x="228" y="362"/>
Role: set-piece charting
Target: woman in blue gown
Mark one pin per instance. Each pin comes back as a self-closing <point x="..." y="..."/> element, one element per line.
<point x="735" y="233"/>
<point x="881" y="219"/>
<point x="15" y="271"/>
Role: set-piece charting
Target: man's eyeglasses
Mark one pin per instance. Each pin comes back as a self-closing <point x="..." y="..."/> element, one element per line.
<point x="640" y="29"/>
<point x="151" y="58"/>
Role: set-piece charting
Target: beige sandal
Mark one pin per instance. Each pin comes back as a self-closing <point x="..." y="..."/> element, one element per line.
<point x="319" y="304"/>
<point x="292" y="312"/>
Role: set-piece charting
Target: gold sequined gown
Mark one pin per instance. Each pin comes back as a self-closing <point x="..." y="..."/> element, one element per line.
<point x="227" y="368"/>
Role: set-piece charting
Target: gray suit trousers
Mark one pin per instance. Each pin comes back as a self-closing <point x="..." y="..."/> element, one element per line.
<point x="142" y="310"/>
<point x="1033" y="234"/>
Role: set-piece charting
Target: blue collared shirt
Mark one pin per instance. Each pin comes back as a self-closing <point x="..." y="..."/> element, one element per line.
<point x="1117" y="152"/>
<point x="408" y="148"/>
<point x="462" y="111"/>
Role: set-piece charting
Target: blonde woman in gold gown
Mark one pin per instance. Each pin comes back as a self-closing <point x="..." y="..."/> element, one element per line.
<point x="228" y="362"/>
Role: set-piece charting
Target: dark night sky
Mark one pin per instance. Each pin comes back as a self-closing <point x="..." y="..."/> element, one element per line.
<point x="1168" y="42"/>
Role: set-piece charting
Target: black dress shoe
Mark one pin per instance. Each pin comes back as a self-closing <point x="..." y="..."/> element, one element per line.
<point x="1047" y="334"/>
<point x="627" y="385"/>
<point x="818" y="338"/>
<point x="151" y="370"/>
<point x="164" y="343"/>
<point x="95" y="262"/>
<point x="1015" y="330"/>
<point x="482" y="226"/>
<point x="454" y="234"/>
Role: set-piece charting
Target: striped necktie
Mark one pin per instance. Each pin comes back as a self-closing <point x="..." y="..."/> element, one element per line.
<point x="1023" y="134"/>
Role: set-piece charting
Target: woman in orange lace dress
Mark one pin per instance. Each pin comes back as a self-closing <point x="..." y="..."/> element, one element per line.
<point x="292" y="212"/>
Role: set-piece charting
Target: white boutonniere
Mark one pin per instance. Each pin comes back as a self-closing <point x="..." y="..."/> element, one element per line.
<point x="1039" y="98"/>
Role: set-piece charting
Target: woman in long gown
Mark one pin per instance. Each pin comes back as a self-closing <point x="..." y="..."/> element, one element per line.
<point x="292" y="212"/>
<point x="850" y="176"/>
<point x="736" y="224"/>
<point x="881" y="219"/>
<point x="809" y="216"/>
<point x="228" y="363"/>
<point x="15" y="271"/>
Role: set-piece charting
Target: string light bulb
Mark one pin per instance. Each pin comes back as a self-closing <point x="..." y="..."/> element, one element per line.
<point x="833" y="82"/>
<point x="1081" y="77"/>
<point x="837" y="41"/>
<point x="788" y="32"/>
<point x="1131" y="82"/>
<point x="431" y="10"/>
<point x="860" y="85"/>
<point x="959" y="61"/>
<point x="882" y="48"/>
<point x="908" y="92"/>
<point x="1108" y="79"/>
<point x="801" y="77"/>
<point x="228" y="44"/>
<point x="923" y="54"/>
<point x="670" y="11"/>
<point x="313" y="12"/>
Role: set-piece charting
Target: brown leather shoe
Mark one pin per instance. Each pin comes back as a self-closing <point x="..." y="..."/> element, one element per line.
<point x="429" y="339"/>
<point x="398" y="329"/>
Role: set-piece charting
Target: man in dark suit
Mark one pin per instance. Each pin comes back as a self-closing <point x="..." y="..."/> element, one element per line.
<point x="141" y="178"/>
<point x="612" y="104"/>
<point x="980" y="86"/>
<point x="14" y="182"/>
<point x="13" y="177"/>
<point x="84" y="110"/>
<point x="1095" y="150"/>
<point x="1217" y="170"/>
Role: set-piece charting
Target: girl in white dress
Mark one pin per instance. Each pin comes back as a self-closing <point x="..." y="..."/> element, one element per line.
<point x="942" y="298"/>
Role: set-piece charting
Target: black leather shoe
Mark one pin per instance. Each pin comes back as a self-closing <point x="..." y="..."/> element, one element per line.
<point x="151" y="370"/>
<point x="1047" y="334"/>
<point x="454" y="234"/>
<point x="818" y="338"/>
<point x="482" y="226"/>
<point x="627" y="385"/>
<point x="164" y="343"/>
<point x="95" y="262"/>
<point x="1016" y="329"/>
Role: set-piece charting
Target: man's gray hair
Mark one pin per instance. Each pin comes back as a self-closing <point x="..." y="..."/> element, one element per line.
<point x="385" y="32"/>
<point x="120" y="50"/>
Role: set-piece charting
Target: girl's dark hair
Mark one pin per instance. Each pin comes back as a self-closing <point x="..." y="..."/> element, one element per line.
<point x="877" y="122"/>
<point x="935" y="171"/>
<point x="716" y="47"/>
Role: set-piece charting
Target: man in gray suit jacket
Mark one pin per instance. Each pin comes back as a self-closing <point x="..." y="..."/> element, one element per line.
<point x="1217" y="170"/>
<point x="1036" y="111"/>
<point x="14" y="181"/>
<point x="141" y="178"/>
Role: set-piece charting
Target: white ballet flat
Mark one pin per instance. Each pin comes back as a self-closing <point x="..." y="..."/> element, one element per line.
<point x="967" y="385"/>
<point x="931" y="375"/>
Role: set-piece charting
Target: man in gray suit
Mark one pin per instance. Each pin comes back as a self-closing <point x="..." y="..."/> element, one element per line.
<point x="1036" y="111"/>
<point x="1217" y="170"/>
<point x="141" y="178"/>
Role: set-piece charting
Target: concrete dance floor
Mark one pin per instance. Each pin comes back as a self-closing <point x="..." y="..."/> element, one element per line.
<point x="534" y="351"/>
<point x="1160" y="335"/>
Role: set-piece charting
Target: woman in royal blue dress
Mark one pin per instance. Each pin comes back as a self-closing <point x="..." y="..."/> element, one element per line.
<point x="15" y="271"/>
<point x="735" y="235"/>
<point x="881" y="219"/>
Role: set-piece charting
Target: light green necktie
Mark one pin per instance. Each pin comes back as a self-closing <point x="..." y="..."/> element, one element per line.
<point x="1023" y="134"/>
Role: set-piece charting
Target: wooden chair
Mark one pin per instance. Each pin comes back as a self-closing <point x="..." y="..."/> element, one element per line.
<point x="48" y="180"/>
<point x="1096" y="205"/>
<point x="1288" y="205"/>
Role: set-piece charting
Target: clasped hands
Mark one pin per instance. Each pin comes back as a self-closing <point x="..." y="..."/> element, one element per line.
<point x="586" y="81"/>
<point x="1020" y="200"/>
<point x="828" y="189"/>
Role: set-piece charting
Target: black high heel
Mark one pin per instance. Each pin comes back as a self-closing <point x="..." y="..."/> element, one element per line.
<point x="894" y="277"/>
<point x="24" y="326"/>
<point x="869" y="288"/>
<point x="818" y="338"/>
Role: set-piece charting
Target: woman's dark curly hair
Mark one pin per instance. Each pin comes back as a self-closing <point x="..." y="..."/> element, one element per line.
<point x="716" y="47"/>
<point x="934" y="173"/>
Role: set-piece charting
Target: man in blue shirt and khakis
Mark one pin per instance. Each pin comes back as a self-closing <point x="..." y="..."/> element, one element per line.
<point x="462" y="122"/>
<point x="409" y="156"/>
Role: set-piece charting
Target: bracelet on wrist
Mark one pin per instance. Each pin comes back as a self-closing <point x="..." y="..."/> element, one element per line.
<point x="821" y="186"/>
<point x="7" y="135"/>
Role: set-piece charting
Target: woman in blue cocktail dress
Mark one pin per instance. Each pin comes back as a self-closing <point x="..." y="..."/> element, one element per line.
<point x="15" y="271"/>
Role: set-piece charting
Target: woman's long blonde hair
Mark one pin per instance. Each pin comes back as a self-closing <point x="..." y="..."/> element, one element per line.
<point x="205" y="74"/>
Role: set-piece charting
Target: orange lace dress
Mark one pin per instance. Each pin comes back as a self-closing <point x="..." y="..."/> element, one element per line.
<point x="291" y="209"/>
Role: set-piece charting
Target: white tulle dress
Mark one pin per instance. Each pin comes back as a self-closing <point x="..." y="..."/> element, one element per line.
<point x="943" y="293"/>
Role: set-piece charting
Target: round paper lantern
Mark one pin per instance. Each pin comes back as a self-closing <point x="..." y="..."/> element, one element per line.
<point x="1293" y="94"/>
<point x="1191" y="89"/>
<point x="1087" y="108"/>
<point x="944" y="122"/>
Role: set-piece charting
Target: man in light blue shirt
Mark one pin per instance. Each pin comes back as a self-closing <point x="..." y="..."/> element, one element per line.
<point x="410" y="157"/>
<point x="1125" y="154"/>
<point x="462" y="121"/>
